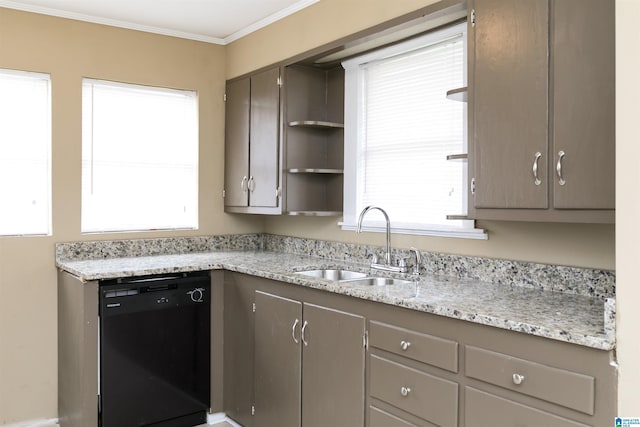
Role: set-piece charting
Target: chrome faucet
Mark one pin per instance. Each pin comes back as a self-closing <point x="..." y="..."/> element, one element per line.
<point x="387" y="256"/>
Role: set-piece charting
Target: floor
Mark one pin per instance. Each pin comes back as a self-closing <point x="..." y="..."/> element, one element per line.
<point x="222" y="424"/>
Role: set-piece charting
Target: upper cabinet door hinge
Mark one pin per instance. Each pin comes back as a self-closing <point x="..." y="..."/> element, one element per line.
<point x="279" y="81"/>
<point x="473" y="186"/>
<point x="473" y="17"/>
<point x="224" y="193"/>
<point x="253" y="410"/>
<point x="224" y="97"/>
<point x="253" y="307"/>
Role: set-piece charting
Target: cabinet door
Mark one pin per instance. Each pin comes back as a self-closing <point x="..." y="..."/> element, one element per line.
<point x="333" y="368"/>
<point x="264" y="155"/>
<point x="236" y="150"/>
<point x="584" y="103"/>
<point x="510" y="103"/>
<point x="277" y="361"/>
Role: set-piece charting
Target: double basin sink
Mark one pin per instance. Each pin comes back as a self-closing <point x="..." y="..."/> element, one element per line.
<point x="353" y="277"/>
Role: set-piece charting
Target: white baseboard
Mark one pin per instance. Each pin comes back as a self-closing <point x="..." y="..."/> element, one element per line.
<point x="211" y="419"/>
<point x="218" y="418"/>
<point x="34" y="423"/>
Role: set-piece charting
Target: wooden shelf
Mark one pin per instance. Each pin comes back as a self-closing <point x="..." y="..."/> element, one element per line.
<point x="457" y="217"/>
<point x="462" y="156"/>
<point x="459" y="94"/>
<point x="315" y="213"/>
<point x="318" y="124"/>
<point x="316" y="170"/>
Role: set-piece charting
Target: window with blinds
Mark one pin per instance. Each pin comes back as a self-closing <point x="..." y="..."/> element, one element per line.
<point x="25" y="147"/>
<point x="139" y="157"/>
<point x="399" y="129"/>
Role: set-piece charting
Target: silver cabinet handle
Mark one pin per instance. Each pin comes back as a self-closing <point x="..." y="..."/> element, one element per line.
<point x="404" y="391"/>
<point x="518" y="379"/>
<point x="293" y="331"/>
<point x="537" y="180"/>
<point x="302" y="337"/>
<point x="404" y="345"/>
<point x="561" y="180"/>
<point x="243" y="184"/>
<point x="251" y="185"/>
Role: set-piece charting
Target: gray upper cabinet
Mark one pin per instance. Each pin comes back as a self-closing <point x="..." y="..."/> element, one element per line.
<point x="252" y="144"/>
<point x="236" y="153"/>
<point x="541" y="94"/>
<point x="583" y="44"/>
<point x="510" y="89"/>
<point x="309" y="364"/>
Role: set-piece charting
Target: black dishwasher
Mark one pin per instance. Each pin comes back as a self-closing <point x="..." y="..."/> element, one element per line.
<point x="155" y="350"/>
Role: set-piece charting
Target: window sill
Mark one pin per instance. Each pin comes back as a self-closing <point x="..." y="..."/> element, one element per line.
<point x="457" y="233"/>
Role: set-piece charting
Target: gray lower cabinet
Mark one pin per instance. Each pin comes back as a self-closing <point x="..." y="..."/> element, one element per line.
<point x="308" y="364"/>
<point x="542" y="110"/>
<point x="299" y="360"/>
<point x="398" y="381"/>
<point x="252" y="144"/>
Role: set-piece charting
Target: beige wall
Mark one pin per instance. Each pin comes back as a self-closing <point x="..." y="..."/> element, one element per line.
<point x="628" y="205"/>
<point x="70" y="50"/>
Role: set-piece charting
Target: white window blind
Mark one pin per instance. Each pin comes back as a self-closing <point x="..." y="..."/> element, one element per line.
<point x="25" y="146"/>
<point x="404" y="127"/>
<point x="139" y="157"/>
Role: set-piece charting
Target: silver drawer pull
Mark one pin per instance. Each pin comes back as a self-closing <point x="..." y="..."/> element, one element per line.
<point x="518" y="379"/>
<point x="404" y="345"/>
<point x="404" y="391"/>
<point x="561" y="180"/>
<point x="537" y="180"/>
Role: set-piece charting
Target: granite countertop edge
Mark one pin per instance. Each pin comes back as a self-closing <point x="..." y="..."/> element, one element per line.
<point x="580" y="320"/>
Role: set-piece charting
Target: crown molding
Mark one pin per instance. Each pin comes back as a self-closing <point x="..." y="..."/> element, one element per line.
<point x="269" y="20"/>
<point x="160" y="30"/>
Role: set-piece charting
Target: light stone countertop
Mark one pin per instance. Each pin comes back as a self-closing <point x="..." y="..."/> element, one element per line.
<point x="577" y="319"/>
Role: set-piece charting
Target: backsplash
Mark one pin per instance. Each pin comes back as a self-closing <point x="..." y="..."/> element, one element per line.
<point x="570" y="280"/>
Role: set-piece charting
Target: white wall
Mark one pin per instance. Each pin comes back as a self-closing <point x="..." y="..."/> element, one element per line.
<point x="628" y="205"/>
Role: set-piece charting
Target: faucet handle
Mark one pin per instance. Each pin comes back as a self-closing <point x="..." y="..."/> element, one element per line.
<point x="416" y="266"/>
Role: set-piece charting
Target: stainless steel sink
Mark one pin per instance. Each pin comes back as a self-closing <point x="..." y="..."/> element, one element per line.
<point x="331" y="274"/>
<point x="378" y="281"/>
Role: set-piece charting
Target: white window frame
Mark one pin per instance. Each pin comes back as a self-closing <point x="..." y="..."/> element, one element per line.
<point x="44" y="228"/>
<point x="88" y="226"/>
<point x="354" y="107"/>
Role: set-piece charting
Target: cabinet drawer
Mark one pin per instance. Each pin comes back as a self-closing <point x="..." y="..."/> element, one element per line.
<point x="566" y="388"/>
<point x="426" y="396"/>
<point x="483" y="409"/>
<point x="379" y="418"/>
<point x="414" y="345"/>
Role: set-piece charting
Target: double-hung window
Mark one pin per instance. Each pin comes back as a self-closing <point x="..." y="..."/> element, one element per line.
<point x="139" y="157"/>
<point x="399" y="129"/>
<point x="25" y="147"/>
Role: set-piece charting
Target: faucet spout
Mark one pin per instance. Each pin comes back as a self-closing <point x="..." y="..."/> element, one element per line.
<point x="387" y="255"/>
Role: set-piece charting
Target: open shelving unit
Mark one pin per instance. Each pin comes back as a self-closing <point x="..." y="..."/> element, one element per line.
<point x="314" y="140"/>
<point x="460" y="95"/>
